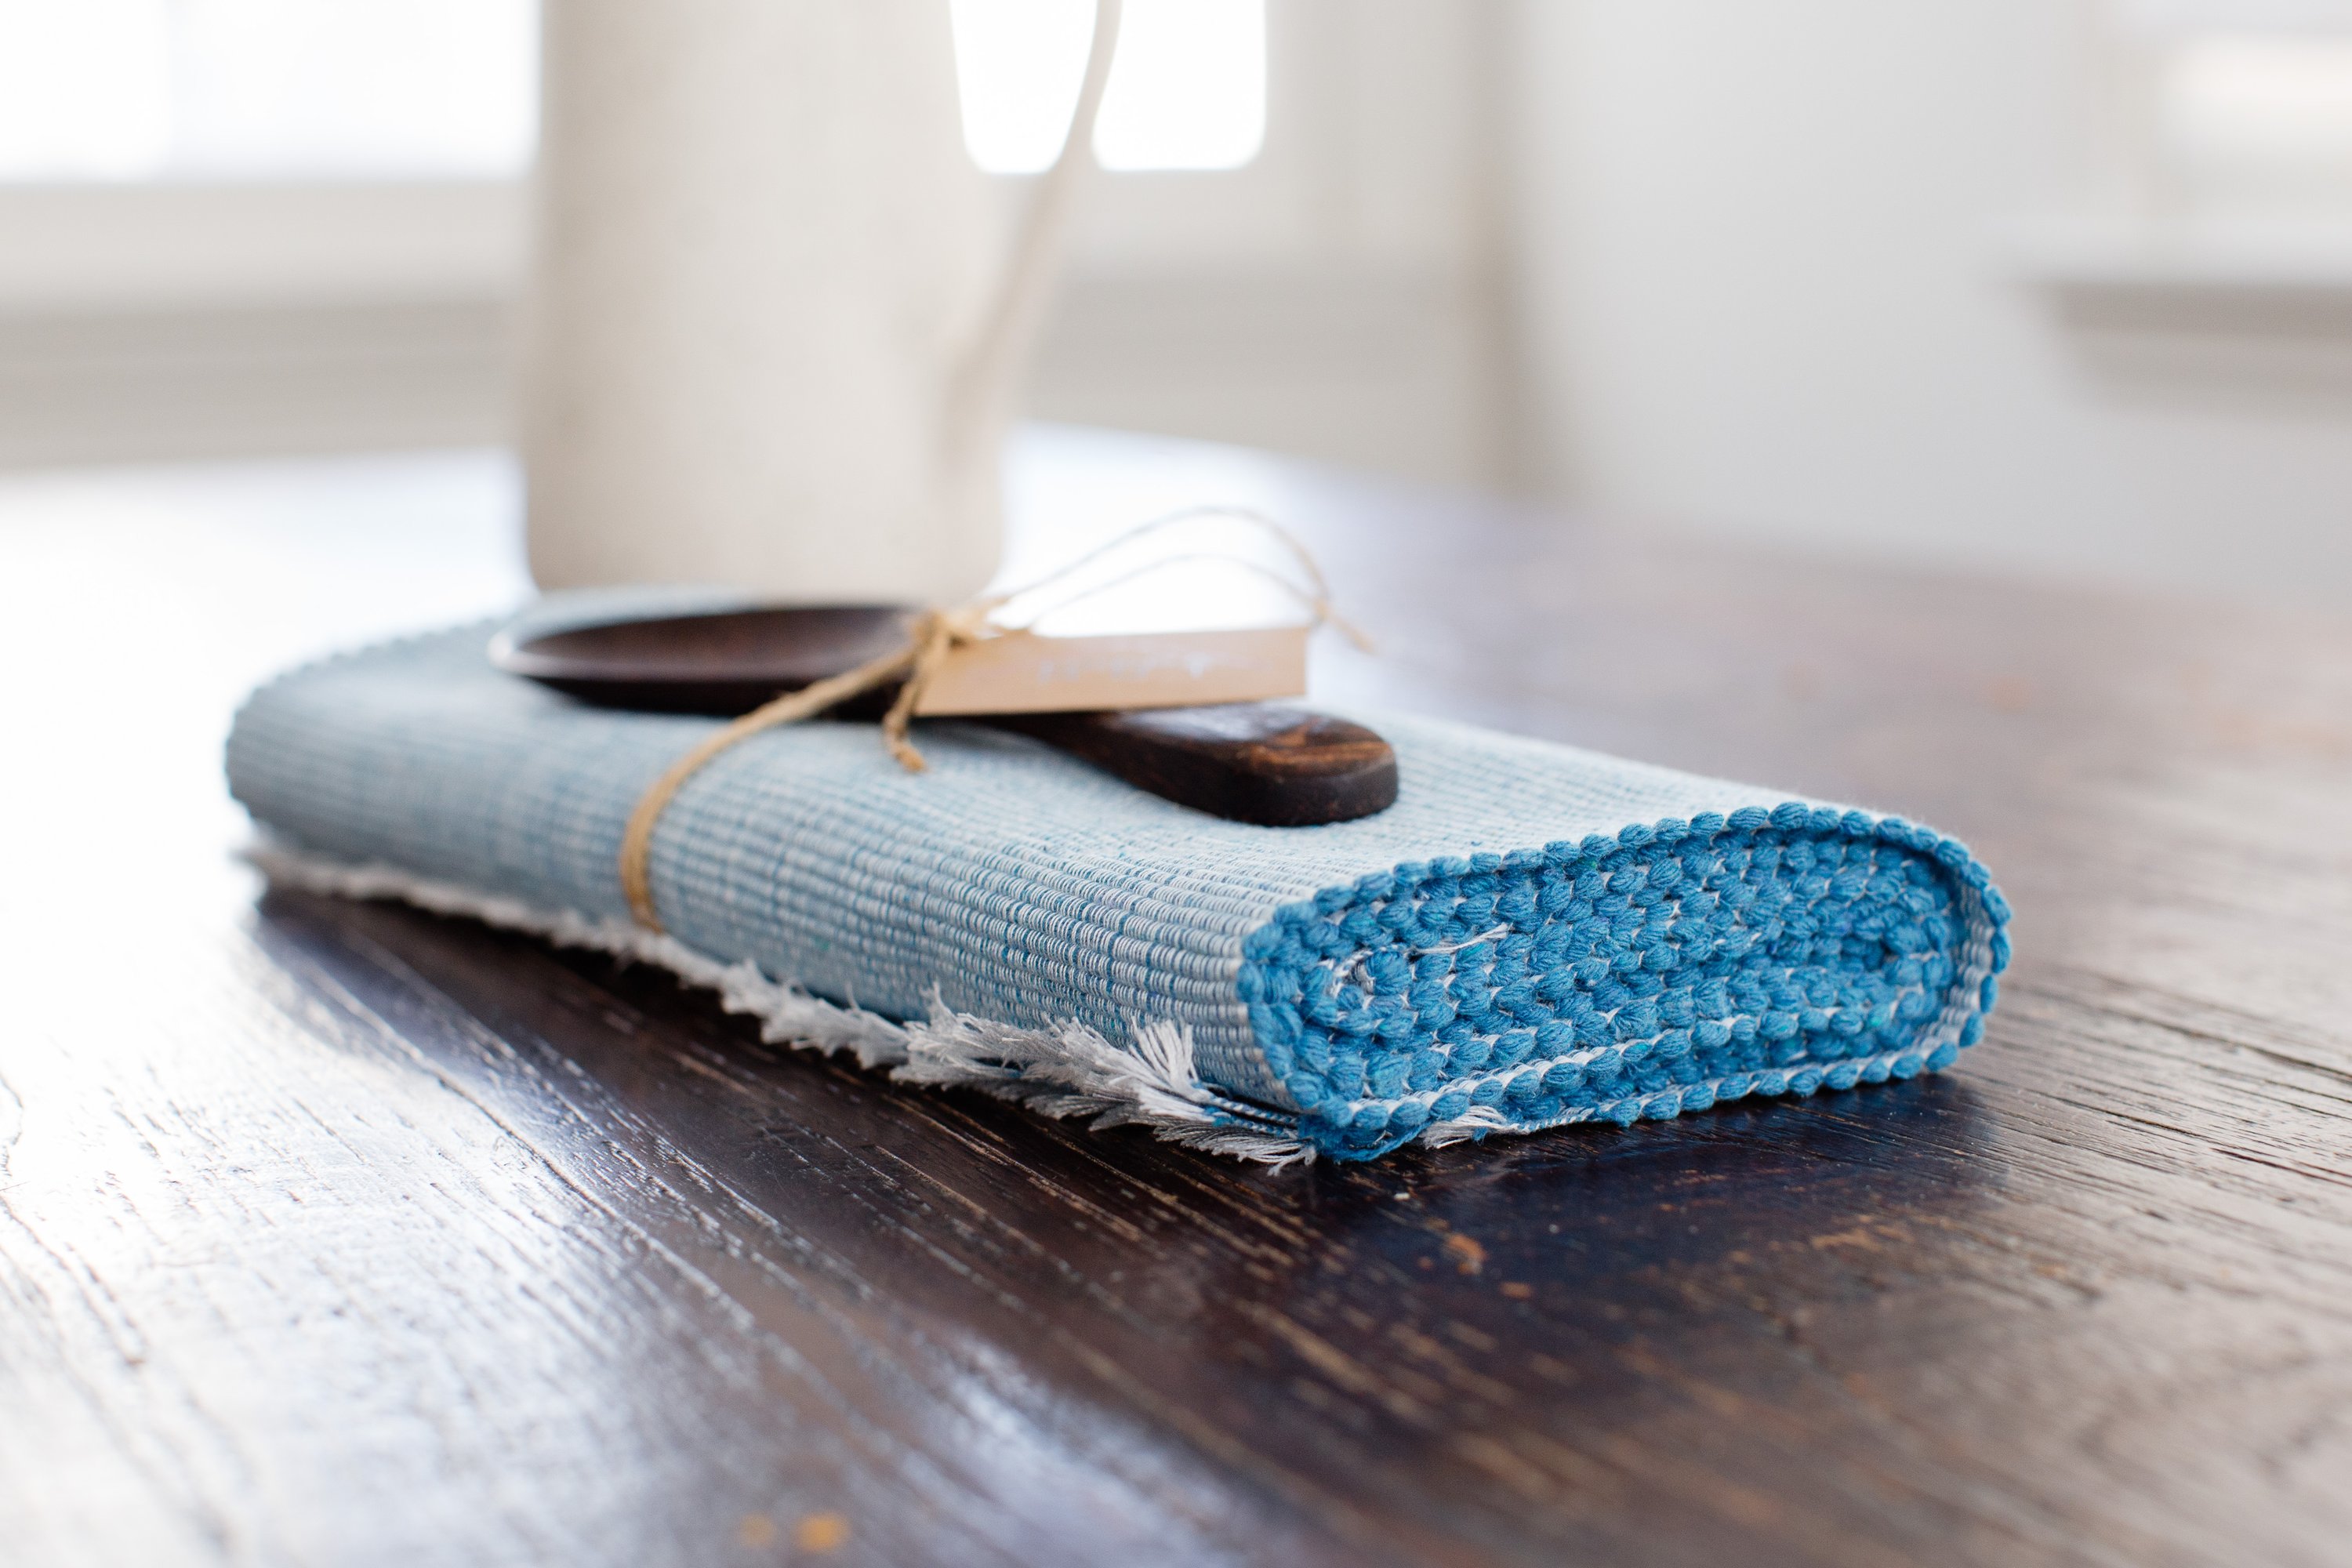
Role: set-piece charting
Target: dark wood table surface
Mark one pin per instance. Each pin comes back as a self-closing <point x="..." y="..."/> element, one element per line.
<point x="343" y="1233"/>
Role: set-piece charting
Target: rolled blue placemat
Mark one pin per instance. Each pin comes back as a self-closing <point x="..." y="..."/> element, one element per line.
<point x="1533" y="935"/>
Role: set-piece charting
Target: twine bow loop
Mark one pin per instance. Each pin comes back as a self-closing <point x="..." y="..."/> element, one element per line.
<point x="932" y="637"/>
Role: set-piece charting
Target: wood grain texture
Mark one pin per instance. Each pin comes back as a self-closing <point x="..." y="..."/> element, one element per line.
<point x="1267" y="762"/>
<point x="333" y="1233"/>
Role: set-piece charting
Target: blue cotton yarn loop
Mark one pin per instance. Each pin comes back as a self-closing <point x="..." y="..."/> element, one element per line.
<point x="1673" y="968"/>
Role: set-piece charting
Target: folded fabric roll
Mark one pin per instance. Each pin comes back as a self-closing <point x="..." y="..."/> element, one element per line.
<point x="1531" y="936"/>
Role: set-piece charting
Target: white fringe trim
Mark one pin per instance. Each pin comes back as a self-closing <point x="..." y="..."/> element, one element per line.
<point x="1474" y="1122"/>
<point x="1066" y="1070"/>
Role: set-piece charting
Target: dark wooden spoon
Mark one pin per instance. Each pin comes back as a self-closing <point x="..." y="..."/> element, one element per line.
<point x="1264" y="762"/>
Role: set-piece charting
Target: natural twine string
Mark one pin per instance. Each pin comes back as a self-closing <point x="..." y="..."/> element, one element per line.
<point x="932" y="635"/>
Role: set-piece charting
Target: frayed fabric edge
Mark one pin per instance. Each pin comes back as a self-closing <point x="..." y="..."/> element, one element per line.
<point x="1068" y="1070"/>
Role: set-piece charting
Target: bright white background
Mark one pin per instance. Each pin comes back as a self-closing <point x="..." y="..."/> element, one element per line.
<point x="1920" y="280"/>
<point x="2056" y="285"/>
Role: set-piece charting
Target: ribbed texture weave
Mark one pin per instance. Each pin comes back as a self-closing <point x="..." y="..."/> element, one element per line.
<point x="1531" y="935"/>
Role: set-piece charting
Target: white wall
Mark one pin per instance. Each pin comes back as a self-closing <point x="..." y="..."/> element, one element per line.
<point x="1338" y="298"/>
<point x="1770" y="267"/>
<point x="186" y="321"/>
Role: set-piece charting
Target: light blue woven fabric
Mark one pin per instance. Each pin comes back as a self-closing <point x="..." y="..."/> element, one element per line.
<point x="1532" y="935"/>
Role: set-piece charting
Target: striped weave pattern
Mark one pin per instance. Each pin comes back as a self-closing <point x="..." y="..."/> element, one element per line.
<point x="1533" y="935"/>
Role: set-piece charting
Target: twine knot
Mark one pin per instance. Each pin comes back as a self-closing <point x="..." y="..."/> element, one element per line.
<point x="933" y="635"/>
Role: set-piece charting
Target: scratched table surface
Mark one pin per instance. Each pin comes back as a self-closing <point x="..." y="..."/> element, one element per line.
<point x="343" y="1234"/>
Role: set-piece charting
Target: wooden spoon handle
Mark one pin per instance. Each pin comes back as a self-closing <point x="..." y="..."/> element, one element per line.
<point x="1261" y="762"/>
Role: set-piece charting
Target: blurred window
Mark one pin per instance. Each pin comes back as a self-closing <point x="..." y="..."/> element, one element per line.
<point x="2260" y="122"/>
<point x="266" y="89"/>
<point x="277" y="90"/>
<point x="1187" y="88"/>
<point x="2248" y="103"/>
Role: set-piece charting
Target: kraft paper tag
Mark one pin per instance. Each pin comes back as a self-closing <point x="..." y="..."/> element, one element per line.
<point x="1022" y="672"/>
